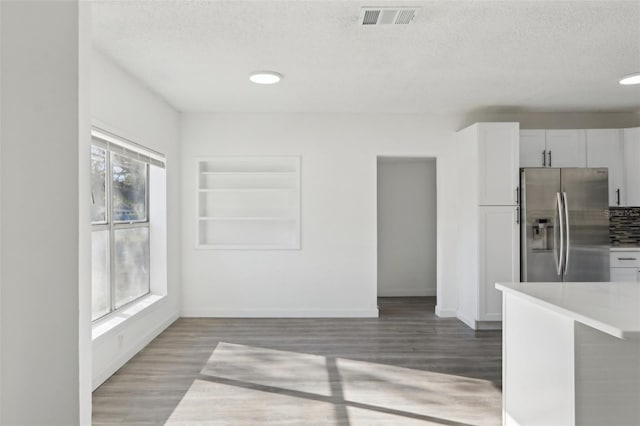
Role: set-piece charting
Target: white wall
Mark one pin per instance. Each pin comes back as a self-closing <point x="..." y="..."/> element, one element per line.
<point x="39" y="271"/>
<point x="84" y="216"/>
<point x="466" y="241"/>
<point x="334" y="274"/>
<point x="1" y="118"/>
<point x="124" y="105"/>
<point x="406" y="226"/>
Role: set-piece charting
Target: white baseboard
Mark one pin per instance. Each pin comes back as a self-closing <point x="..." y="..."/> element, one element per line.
<point x="480" y="325"/>
<point x="406" y="292"/>
<point x="122" y="359"/>
<point x="488" y="325"/>
<point x="278" y="313"/>
<point x="468" y="321"/>
<point x="445" y="313"/>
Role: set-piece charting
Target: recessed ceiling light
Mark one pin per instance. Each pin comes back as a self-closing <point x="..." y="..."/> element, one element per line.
<point x="630" y="79"/>
<point x="265" y="77"/>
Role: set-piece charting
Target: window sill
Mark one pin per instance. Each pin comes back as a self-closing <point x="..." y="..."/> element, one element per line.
<point x="119" y="318"/>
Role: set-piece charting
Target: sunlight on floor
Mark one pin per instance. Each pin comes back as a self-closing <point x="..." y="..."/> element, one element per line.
<point x="269" y="367"/>
<point x="250" y="385"/>
<point x="207" y="403"/>
<point x="419" y="392"/>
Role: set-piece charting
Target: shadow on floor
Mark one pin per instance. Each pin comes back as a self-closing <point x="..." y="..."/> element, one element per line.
<point x="406" y="367"/>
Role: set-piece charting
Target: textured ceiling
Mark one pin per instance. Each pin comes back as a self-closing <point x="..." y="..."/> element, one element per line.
<point x="455" y="56"/>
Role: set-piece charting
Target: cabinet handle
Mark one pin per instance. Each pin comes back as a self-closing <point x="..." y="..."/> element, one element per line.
<point x="618" y="194"/>
<point x="518" y="215"/>
<point x="544" y="158"/>
<point x="549" y="158"/>
<point x="627" y="258"/>
<point x="517" y="195"/>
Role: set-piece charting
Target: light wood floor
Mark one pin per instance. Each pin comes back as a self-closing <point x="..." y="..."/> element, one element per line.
<point x="406" y="367"/>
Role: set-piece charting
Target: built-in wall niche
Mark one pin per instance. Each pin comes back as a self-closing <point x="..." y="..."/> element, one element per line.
<point x="248" y="203"/>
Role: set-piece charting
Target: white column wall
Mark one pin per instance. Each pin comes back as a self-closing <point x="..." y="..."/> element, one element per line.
<point x="84" y="218"/>
<point x="40" y="115"/>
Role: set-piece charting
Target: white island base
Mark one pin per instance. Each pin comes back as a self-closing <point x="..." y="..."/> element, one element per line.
<point x="571" y="354"/>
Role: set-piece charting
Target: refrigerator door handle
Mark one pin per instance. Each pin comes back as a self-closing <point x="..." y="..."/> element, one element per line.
<point x="558" y="226"/>
<point x="565" y="202"/>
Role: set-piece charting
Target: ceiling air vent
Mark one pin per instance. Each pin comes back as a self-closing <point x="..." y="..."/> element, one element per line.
<point x="387" y="15"/>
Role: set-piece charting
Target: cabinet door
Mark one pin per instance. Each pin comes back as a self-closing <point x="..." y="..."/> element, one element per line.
<point x="624" y="274"/>
<point x="532" y="148"/>
<point x="566" y="148"/>
<point x="605" y="149"/>
<point x="632" y="165"/>
<point x="498" y="167"/>
<point x="499" y="257"/>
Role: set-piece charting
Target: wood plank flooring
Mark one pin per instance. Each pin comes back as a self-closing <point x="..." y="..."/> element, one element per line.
<point x="406" y="367"/>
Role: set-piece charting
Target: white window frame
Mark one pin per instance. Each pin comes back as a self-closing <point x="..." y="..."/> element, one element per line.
<point x="111" y="225"/>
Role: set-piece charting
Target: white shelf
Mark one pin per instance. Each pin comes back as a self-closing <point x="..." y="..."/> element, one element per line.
<point x="246" y="173"/>
<point x="248" y="203"/>
<point x="246" y="189"/>
<point x="257" y="219"/>
<point x="220" y="246"/>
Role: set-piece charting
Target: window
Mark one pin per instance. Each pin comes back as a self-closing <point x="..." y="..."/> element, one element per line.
<point x="120" y="225"/>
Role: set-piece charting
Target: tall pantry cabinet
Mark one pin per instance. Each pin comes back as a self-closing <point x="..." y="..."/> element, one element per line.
<point x="487" y="240"/>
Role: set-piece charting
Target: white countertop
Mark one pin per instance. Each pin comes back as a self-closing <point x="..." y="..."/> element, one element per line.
<point x="613" y="308"/>
<point x="624" y="248"/>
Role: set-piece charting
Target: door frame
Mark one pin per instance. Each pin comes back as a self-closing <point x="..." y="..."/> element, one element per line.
<point x="439" y="227"/>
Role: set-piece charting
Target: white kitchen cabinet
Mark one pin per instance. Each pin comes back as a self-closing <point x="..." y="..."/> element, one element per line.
<point x="624" y="265"/>
<point x="631" y="139"/>
<point x="605" y="149"/>
<point x="499" y="257"/>
<point x="570" y="354"/>
<point x="553" y="148"/>
<point x="487" y="241"/>
<point x="566" y="148"/>
<point x="532" y="148"/>
<point x="624" y="275"/>
<point x="498" y="163"/>
<point x="618" y="150"/>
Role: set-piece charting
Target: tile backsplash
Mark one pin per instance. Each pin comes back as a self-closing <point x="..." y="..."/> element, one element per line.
<point x="624" y="226"/>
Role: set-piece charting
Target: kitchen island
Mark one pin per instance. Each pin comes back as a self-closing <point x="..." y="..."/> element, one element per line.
<point x="571" y="353"/>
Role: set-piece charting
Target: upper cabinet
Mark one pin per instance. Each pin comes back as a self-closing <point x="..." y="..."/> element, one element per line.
<point x="498" y="163"/>
<point x="616" y="149"/>
<point x="605" y="149"/>
<point x="631" y="139"/>
<point x="533" y="149"/>
<point x="566" y="148"/>
<point x="552" y="148"/>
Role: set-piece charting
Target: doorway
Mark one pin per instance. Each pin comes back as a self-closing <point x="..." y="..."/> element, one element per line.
<point x="407" y="227"/>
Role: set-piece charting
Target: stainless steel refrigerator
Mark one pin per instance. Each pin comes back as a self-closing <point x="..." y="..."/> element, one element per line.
<point x="564" y="224"/>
